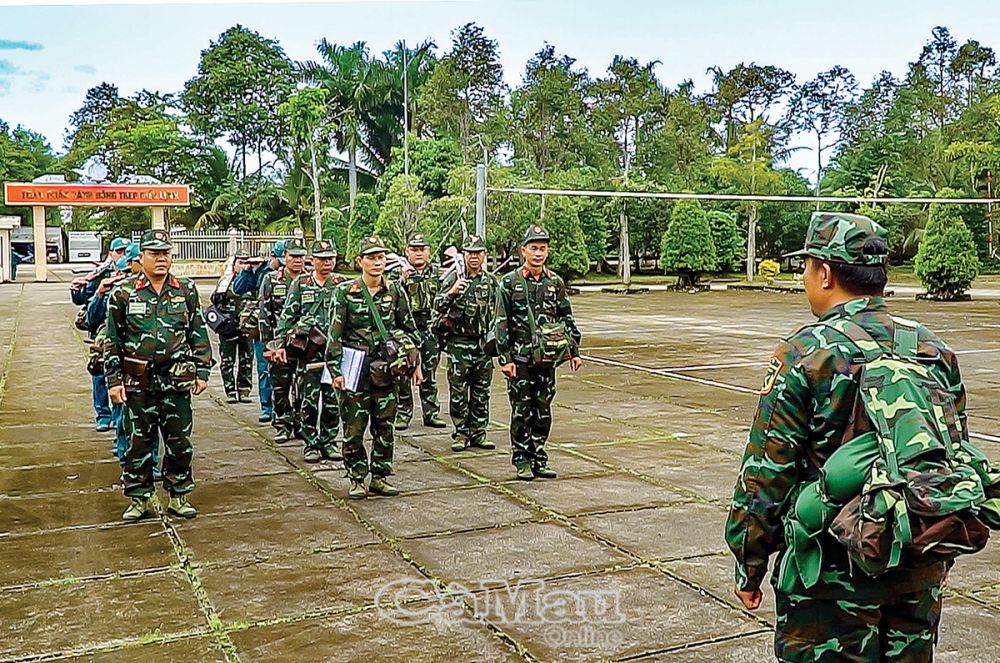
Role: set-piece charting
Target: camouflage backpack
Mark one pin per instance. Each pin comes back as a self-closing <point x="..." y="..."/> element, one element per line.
<point x="550" y="342"/>
<point x="911" y="492"/>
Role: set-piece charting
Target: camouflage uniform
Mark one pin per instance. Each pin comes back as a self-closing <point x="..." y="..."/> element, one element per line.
<point x="309" y="305"/>
<point x="470" y="369"/>
<point x="354" y="326"/>
<point x="421" y="287"/>
<point x="533" y="387"/>
<point x="273" y="294"/>
<point x="235" y="354"/>
<point x="163" y="329"/>
<point x="806" y="411"/>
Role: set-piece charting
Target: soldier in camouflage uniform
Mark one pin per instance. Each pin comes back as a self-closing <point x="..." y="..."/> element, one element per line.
<point x="306" y="312"/>
<point x="156" y="355"/>
<point x="354" y="326"/>
<point x="273" y="294"/>
<point x="531" y="386"/>
<point x="465" y="308"/>
<point x="806" y="411"/>
<point x="421" y="285"/>
<point x="235" y="355"/>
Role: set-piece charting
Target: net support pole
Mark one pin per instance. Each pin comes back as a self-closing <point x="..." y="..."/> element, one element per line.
<point x="481" y="200"/>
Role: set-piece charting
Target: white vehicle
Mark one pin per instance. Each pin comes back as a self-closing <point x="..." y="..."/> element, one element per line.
<point x="85" y="246"/>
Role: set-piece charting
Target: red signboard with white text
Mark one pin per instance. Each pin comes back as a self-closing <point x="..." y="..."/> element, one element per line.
<point x="97" y="195"/>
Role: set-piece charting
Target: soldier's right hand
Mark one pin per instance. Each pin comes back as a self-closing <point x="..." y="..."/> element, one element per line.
<point x="509" y="370"/>
<point x="280" y="356"/>
<point x="117" y="394"/>
<point x="458" y="287"/>
<point x="339" y="384"/>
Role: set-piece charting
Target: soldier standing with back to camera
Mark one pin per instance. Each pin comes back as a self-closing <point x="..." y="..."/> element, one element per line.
<point x="236" y="360"/>
<point x="465" y="307"/>
<point x="273" y="293"/>
<point x="304" y="322"/>
<point x="156" y="355"/>
<point x="535" y="331"/>
<point x="421" y="285"/>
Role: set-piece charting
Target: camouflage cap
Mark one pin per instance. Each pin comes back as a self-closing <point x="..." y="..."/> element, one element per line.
<point x="323" y="248"/>
<point x="242" y="254"/>
<point x="535" y="233"/>
<point x="417" y="240"/>
<point x="132" y="252"/>
<point x="296" y="247"/>
<point x="155" y="240"/>
<point x="840" y="237"/>
<point x="473" y="243"/>
<point x="119" y="243"/>
<point x="373" y="244"/>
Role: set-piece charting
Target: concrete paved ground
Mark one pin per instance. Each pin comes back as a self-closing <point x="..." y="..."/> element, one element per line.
<point x="620" y="558"/>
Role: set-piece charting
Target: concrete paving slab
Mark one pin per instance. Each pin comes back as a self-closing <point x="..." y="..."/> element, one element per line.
<point x="245" y="493"/>
<point x="91" y="613"/>
<point x="664" y="532"/>
<point x="743" y="649"/>
<point x="610" y="616"/>
<point x="72" y="477"/>
<point x="201" y="649"/>
<point x="497" y="466"/>
<point x="608" y="492"/>
<point x="442" y="511"/>
<point x="369" y="636"/>
<point x="84" y="552"/>
<point x="534" y="550"/>
<point x="271" y="532"/>
<point x="46" y="511"/>
<point x="302" y="584"/>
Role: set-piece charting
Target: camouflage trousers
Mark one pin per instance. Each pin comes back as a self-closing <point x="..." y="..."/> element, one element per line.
<point x="149" y="416"/>
<point x="530" y="393"/>
<point x="902" y="628"/>
<point x="236" y="364"/>
<point x="282" y="380"/>
<point x="319" y="410"/>
<point x="377" y="406"/>
<point x="429" y="357"/>
<point x="470" y="374"/>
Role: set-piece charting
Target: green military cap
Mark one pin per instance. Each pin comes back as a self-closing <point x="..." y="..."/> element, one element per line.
<point x="417" y="240"/>
<point x="323" y="248"/>
<point x="295" y="247"/>
<point x="155" y="240"/>
<point x="473" y="243"/>
<point x="373" y="244"/>
<point x="535" y="233"/>
<point x="840" y="237"/>
<point x="241" y="255"/>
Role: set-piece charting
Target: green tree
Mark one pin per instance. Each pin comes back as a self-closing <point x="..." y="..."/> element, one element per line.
<point x="687" y="247"/>
<point x="465" y="96"/>
<point x="568" y="248"/>
<point x="431" y="162"/>
<point x="242" y="79"/>
<point x="946" y="262"/>
<point x="728" y="240"/>
<point x="362" y="221"/>
<point x="680" y="143"/>
<point x="746" y="93"/>
<point x="305" y="112"/>
<point x="818" y="107"/>
<point x="402" y="212"/>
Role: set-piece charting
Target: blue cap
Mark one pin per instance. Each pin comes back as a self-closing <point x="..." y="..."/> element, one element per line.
<point x="132" y="252"/>
<point x="279" y="249"/>
<point x="121" y="264"/>
<point x="119" y="243"/>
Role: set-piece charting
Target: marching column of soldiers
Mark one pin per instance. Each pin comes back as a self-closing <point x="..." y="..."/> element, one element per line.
<point x="340" y="357"/>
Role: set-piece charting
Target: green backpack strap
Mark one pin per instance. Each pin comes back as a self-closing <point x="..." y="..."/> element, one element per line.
<point x="532" y="324"/>
<point x="374" y="311"/>
<point x="904" y="338"/>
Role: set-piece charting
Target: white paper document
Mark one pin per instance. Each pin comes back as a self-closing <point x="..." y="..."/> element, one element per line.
<point x="352" y="362"/>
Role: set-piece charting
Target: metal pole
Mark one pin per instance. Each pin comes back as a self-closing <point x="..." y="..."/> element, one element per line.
<point x="481" y="200"/>
<point x="406" y="116"/>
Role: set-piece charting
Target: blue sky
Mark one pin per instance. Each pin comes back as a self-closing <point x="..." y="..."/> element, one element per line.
<point x="50" y="55"/>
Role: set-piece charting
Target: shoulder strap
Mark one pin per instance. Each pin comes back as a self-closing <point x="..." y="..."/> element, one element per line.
<point x="904" y="338"/>
<point x="374" y="311"/>
<point x="860" y="338"/>
<point x="528" y="300"/>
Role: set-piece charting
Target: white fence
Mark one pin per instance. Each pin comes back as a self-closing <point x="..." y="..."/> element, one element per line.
<point x="207" y="245"/>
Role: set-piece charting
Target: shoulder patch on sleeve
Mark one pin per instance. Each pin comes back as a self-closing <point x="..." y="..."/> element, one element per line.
<point x="773" y="369"/>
